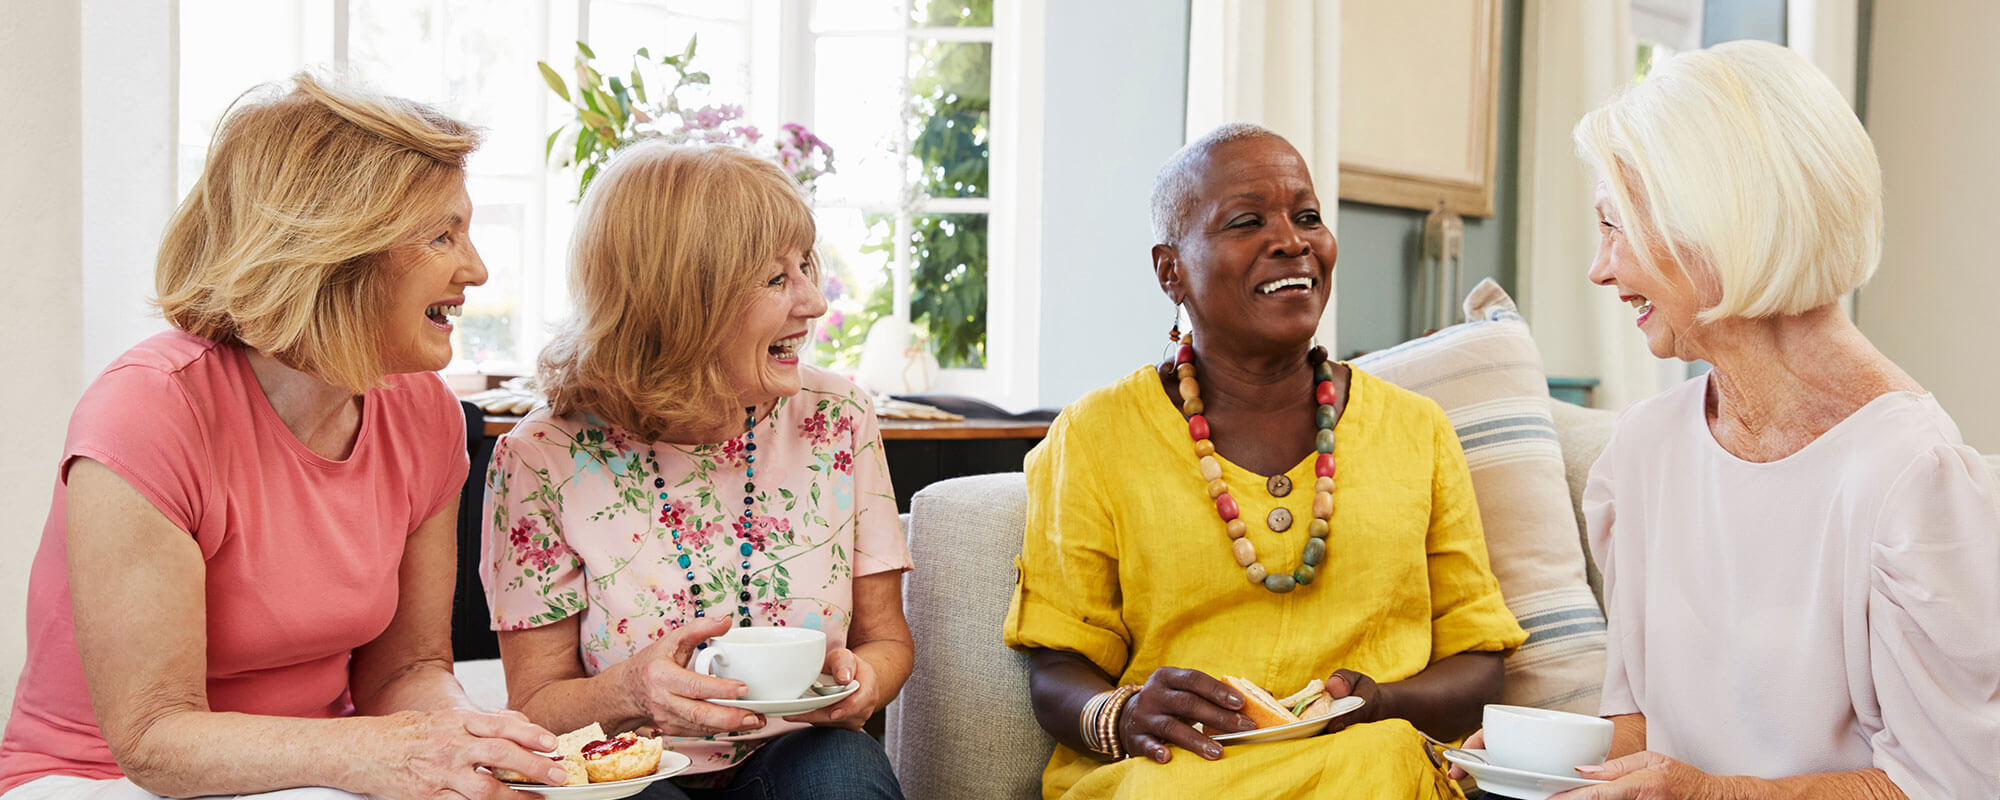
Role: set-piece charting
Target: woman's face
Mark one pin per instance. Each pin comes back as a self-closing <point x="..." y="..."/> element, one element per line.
<point x="760" y="351"/>
<point x="1666" y="304"/>
<point x="1255" y="265"/>
<point x="429" y="274"/>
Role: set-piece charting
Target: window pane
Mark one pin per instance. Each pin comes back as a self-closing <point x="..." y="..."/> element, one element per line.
<point x="854" y="256"/>
<point x="857" y="108"/>
<point x="951" y="89"/>
<point x="952" y="14"/>
<point x="948" y="286"/>
<point x="859" y="15"/>
<point x="618" y="28"/>
<point x="226" y="47"/>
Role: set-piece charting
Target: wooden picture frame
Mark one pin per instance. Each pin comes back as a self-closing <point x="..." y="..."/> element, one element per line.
<point x="1419" y="103"/>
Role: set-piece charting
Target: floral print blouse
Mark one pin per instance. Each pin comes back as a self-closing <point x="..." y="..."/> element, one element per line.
<point x="582" y="518"/>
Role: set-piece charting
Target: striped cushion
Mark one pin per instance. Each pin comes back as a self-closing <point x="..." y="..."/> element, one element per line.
<point x="1487" y="374"/>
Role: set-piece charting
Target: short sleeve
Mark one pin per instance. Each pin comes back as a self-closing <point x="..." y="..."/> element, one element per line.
<point x="1600" y="514"/>
<point x="1468" y="613"/>
<point x="1066" y="596"/>
<point x="139" y="422"/>
<point x="1934" y="591"/>
<point x="532" y="577"/>
<point x="879" y="544"/>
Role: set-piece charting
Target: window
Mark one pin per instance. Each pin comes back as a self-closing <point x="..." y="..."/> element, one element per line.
<point x="902" y="89"/>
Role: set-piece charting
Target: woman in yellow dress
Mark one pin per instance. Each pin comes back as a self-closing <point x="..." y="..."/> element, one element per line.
<point x="1189" y="522"/>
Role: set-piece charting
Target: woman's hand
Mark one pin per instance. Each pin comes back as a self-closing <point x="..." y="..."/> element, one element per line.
<point x="1647" y="775"/>
<point x="428" y="754"/>
<point x="1166" y="708"/>
<point x="855" y="708"/>
<point x="665" y="691"/>
<point x="1474" y="742"/>
<point x="1374" y="702"/>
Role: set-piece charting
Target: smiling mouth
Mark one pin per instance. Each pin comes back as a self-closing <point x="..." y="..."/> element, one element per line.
<point x="1644" y="306"/>
<point x="787" y="349"/>
<point x="440" y="315"/>
<point x="1282" y="284"/>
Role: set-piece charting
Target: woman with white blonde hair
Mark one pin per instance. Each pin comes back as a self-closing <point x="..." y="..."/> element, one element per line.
<point x="244" y="583"/>
<point x="689" y="476"/>
<point x="1801" y="556"/>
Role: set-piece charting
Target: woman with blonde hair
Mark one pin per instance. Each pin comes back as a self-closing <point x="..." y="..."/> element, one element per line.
<point x="689" y="476"/>
<point x="244" y="583"/>
<point x="1801" y="557"/>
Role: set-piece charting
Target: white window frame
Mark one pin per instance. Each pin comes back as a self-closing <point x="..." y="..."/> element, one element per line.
<point x="1012" y="205"/>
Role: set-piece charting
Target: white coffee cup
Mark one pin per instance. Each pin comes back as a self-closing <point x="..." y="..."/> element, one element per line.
<point x="776" y="663"/>
<point x="1544" y="741"/>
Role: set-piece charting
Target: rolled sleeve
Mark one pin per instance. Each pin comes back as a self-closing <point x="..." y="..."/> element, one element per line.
<point x="1066" y="596"/>
<point x="1934" y="592"/>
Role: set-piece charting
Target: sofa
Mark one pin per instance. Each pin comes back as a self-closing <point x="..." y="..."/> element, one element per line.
<point x="962" y="727"/>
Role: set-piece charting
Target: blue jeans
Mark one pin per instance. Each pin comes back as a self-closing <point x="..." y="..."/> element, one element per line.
<point x="812" y="764"/>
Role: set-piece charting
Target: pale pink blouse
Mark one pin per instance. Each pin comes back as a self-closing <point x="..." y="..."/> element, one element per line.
<point x="576" y="523"/>
<point x="1833" y="610"/>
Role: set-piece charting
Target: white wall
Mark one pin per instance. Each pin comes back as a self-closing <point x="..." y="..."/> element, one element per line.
<point x="41" y="91"/>
<point x="1934" y="111"/>
<point x="1116" y="89"/>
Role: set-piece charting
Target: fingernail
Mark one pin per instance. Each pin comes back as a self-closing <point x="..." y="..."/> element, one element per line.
<point x="1244" y="722"/>
<point x="559" y="776"/>
<point x="1589" y="770"/>
<point x="1160" y="754"/>
<point x="1213" y="751"/>
<point x="547" y="742"/>
<point x="749" y="723"/>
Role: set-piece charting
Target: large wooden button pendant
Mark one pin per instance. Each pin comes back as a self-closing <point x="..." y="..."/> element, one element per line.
<point x="1280" y="520"/>
<point x="1278" y="485"/>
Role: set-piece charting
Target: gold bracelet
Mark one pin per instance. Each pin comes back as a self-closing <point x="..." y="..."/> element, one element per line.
<point x="1108" y="718"/>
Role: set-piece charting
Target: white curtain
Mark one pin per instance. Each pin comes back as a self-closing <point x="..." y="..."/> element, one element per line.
<point x="1275" y="63"/>
<point x="1574" y="57"/>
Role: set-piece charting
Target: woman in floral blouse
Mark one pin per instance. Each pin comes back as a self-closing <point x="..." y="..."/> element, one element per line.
<point x="687" y="476"/>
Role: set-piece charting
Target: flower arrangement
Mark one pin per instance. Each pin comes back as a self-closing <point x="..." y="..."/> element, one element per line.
<point x="613" y="111"/>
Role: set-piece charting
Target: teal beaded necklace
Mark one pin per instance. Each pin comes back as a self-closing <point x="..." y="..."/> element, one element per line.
<point x="1225" y="505"/>
<point x="685" y="560"/>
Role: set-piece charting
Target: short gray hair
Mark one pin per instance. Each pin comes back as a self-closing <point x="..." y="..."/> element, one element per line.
<point x="1173" y="188"/>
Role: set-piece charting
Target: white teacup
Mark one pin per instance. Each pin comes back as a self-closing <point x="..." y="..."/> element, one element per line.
<point x="1544" y="741"/>
<point x="776" y="663"/>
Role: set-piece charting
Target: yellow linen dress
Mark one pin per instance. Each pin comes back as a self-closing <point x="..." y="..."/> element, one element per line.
<point x="1126" y="563"/>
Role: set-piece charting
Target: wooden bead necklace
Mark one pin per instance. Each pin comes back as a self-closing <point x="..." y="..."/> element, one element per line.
<point x="1225" y="505"/>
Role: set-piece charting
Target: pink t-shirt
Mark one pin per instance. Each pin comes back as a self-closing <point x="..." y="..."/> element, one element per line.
<point x="301" y="551"/>
<point x="576" y="524"/>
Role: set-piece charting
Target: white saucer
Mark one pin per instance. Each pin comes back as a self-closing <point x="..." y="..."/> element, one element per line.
<point x="821" y="695"/>
<point x="1296" y="730"/>
<point x="1516" y="783"/>
<point x="671" y="763"/>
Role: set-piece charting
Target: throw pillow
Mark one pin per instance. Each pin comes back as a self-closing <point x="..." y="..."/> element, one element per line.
<point x="1487" y="374"/>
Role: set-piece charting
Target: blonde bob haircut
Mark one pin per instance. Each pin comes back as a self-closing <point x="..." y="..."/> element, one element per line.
<point x="1743" y="164"/>
<point x="670" y="240"/>
<point x="277" y="245"/>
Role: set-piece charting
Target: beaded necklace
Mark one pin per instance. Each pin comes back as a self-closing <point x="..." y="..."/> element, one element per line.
<point x="1280" y="520"/>
<point x="681" y="556"/>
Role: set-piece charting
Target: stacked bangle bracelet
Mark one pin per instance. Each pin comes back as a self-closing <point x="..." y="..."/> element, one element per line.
<point x="1100" y="718"/>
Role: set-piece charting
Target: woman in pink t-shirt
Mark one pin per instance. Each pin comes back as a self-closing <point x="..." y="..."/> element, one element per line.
<point x="688" y="475"/>
<point x="255" y="513"/>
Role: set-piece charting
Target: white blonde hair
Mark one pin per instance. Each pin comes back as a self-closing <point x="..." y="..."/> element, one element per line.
<point x="1743" y="164"/>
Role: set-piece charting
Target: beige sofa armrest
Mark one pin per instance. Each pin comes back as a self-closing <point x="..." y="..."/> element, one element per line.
<point x="1582" y="433"/>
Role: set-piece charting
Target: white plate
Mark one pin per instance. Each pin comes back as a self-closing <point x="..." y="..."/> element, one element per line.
<point x="812" y="699"/>
<point x="1516" y="783"/>
<point x="1296" y="730"/>
<point x="671" y="763"/>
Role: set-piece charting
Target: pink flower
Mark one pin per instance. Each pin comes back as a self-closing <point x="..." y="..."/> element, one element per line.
<point x="843" y="461"/>
<point x="697" y="536"/>
<point x="748" y="133"/>
<point x="732" y="452"/>
<point x="844" y="427"/>
<point x="814" y="428"/>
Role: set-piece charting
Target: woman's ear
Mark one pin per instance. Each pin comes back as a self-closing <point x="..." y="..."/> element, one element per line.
<point x="1167" y="268"/>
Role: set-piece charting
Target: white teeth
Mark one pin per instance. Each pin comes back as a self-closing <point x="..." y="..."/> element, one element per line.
<point x="1642" y="304"/>
<point x="788" y="347"/>
<point x="1284" y="283"/>
<point x="444" y="311"/>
